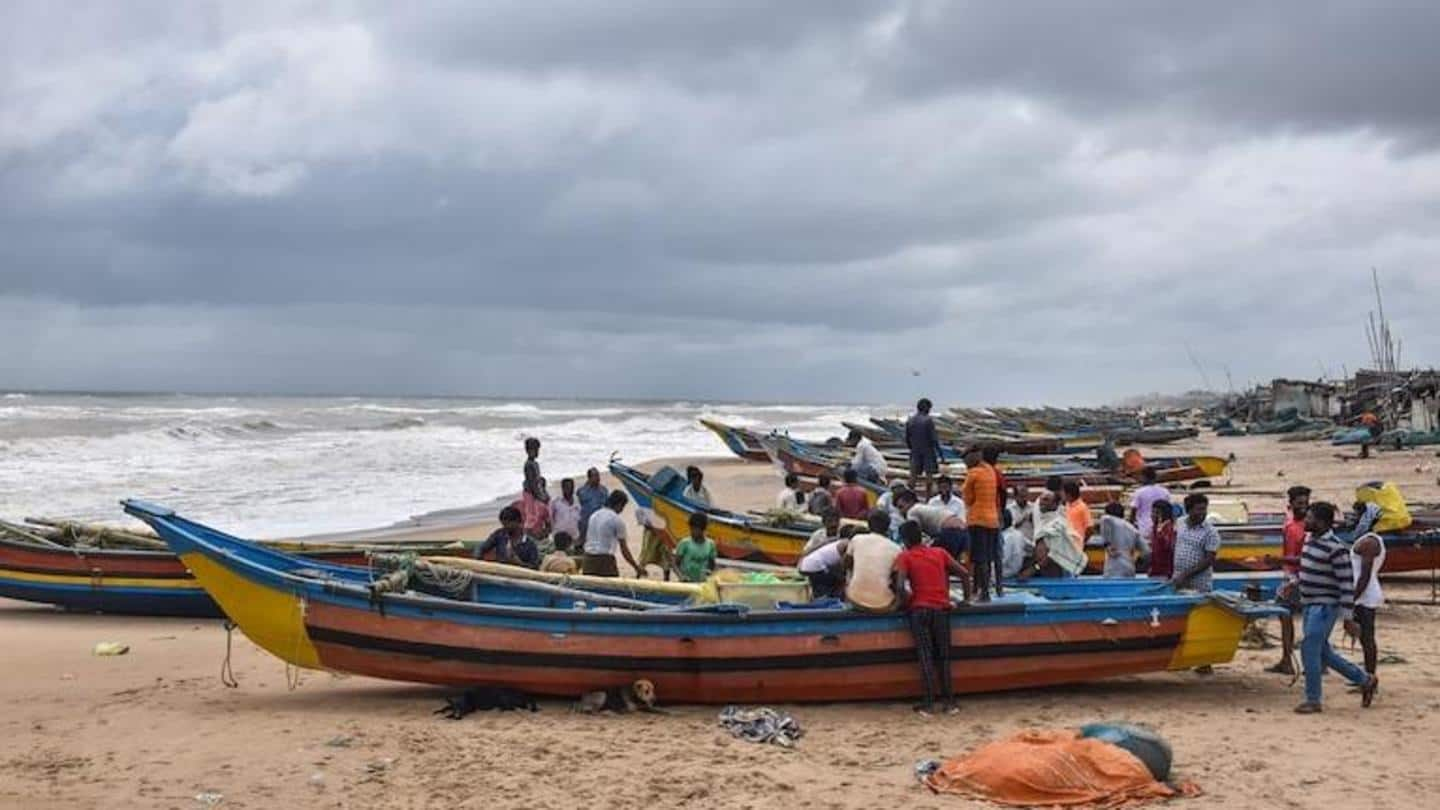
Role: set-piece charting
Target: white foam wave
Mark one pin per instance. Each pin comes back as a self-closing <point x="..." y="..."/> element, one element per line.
<point x="283" y="467"/>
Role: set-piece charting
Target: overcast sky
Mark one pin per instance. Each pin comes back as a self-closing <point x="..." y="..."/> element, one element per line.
<point x="808" y="199"/>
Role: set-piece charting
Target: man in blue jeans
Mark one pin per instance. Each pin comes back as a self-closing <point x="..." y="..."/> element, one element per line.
<point x="1327" y="594"/>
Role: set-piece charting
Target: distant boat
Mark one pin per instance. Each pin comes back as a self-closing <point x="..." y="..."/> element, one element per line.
<point x="743" y="442"/>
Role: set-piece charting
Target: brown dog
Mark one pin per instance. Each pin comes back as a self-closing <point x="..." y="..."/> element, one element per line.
<point x="637" y="697"/>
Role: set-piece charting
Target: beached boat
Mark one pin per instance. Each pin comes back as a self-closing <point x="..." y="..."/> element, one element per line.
<point x="808" y="462"/>
<point x="737" y="536"/>
<point x="715" y="655"/>
<point x="138" y="582"/>
<point x="743" y="442"/>
<point x="124" y="581"/>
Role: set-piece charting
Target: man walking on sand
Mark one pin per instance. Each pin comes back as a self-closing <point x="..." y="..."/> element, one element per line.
<point x="1292" y="540"/>
<point x="1327" y="590"/>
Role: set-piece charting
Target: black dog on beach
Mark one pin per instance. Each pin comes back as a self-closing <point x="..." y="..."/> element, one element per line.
<point x="485" y="699"/>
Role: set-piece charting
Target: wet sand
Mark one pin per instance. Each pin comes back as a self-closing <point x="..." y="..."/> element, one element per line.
<point x="155" y="728"/>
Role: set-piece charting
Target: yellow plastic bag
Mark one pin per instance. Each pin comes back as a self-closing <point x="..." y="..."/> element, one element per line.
<point x="1394" y="513"/>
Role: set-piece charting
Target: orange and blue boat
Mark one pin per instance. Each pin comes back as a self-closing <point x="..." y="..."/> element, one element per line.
<point x="322" y="617"/>
<point x="120" y="581"/>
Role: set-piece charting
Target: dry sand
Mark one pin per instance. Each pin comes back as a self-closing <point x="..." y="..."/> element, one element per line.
<point x="155" y="728"/>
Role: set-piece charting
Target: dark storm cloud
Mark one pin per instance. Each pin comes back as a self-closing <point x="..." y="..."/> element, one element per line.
<point x="802" y="200"/>
<point x="1302" y="65"/>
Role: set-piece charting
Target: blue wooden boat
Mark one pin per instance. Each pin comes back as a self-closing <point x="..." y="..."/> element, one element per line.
<point x="317" y="617"/>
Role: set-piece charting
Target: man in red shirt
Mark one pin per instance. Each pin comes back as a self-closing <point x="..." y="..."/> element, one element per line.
<point x="851" y="501"/>
<point x="923" y="582"/>
<point x="1292" y="540"/>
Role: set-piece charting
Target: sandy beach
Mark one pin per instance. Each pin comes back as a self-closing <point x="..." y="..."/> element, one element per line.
<point x="156" y="728"/>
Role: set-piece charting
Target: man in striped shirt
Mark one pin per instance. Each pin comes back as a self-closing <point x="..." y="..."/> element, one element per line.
<point x="1327" y="592"/>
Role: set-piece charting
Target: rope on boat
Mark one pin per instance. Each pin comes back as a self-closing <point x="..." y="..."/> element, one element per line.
<point x="293" y="672"/>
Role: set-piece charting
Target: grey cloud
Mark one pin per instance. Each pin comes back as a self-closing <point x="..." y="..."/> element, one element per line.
<point x="1282" y="66"/>
<point x="740" y="200"/>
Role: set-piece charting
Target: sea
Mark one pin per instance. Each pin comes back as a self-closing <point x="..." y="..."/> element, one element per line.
<point x="273" y="466"/>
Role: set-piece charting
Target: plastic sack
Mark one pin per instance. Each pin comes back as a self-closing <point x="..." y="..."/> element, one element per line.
<point x="1394" y="512"/>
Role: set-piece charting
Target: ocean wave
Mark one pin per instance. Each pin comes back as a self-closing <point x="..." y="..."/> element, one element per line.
<point x="16" y="396"/>
<point x="402" y="423"/>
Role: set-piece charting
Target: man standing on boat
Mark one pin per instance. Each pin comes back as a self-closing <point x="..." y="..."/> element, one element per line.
<point x="1327" y="590"/>
<point x="592" y="495"/>
<point x="982" y="513"/>
<point x="604" y="536"/>
<point x="924" y="444"/>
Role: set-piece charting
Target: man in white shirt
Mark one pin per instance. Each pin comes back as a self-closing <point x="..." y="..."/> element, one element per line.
<point x="605" y="535"/>
<point x="1023" y="513"/>
<point x="695" y="490"/>
<point x="790" y="499"/>
<point x="886" y="501"/>
<point x="870" y="559"/>
<point x="946" y="497"/>
<point x="824" y="566"/>
<point x="828" y="532"/>
<point x="565" y="510"/>
<point x="1056" y="552"/>
<point x="868" y="462"/>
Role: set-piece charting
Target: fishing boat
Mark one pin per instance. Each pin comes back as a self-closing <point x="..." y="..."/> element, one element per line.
<point x="127" y="581"/>
<point x="721" y="654"/>
<point x="737" y="536"/>
<point x="808" y="462"/>
<point x="122" y="581"/>
<point x="743" y="442"/>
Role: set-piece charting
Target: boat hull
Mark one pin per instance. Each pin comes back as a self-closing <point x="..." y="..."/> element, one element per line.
<point x="321" y="621"/>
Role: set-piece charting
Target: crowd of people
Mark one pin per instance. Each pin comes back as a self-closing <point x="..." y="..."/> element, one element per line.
<point x="919" y="538"/>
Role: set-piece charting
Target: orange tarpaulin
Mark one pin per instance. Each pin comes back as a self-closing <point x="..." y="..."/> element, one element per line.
<point x="1051" y="768"/>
